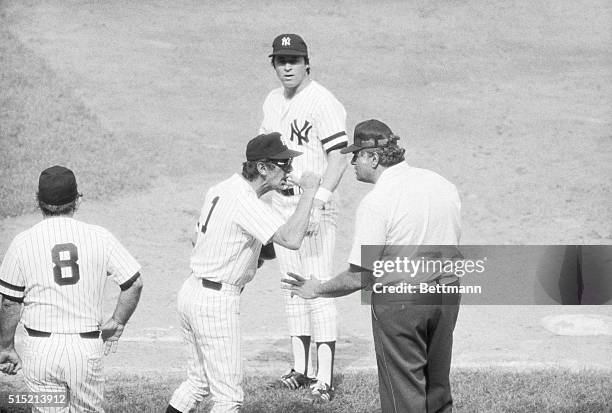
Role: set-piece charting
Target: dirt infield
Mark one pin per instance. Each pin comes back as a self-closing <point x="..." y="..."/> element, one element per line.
<point x="512" y="103"/>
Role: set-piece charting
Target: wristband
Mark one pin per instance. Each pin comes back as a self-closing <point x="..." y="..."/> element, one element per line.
<point x="323" y="195"/>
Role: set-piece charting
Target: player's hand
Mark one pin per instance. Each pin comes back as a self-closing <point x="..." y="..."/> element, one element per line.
<point x="10" y="362"/>
<point x="300" y="286"/>
<point x="315" y="218"/>
<point x="111" y="332"/>
<point x="309" y="181"/>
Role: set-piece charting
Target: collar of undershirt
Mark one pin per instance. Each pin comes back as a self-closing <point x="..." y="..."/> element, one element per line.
<point x="56" y="217"/>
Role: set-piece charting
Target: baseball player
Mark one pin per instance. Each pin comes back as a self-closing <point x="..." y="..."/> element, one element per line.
<point x="313" y="121"/>
<point x="409" y="209"/>
<point x="233" y="226"/>
<point x="57" y="270"/>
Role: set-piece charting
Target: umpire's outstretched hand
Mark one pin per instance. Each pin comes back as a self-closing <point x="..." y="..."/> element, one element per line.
<point x="300" y="286"/>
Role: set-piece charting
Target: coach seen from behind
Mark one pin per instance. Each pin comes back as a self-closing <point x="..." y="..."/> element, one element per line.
<point x="57" y="271"/>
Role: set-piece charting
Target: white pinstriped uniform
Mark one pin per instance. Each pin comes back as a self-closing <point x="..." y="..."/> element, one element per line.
<point x="59" y="268"/>
<point x="313" y="122"/>
<point x="233" y="225"/>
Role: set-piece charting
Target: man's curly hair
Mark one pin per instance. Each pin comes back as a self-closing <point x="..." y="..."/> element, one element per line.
<point x="389" y="155"/>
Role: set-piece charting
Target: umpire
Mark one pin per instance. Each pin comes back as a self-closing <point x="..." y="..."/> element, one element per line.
<point x="409" y="209"/>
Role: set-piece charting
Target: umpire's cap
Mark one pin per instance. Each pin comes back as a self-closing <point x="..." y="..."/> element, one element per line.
<point x="289" y="44"/>
<point x="371" y="134"/>
<point x="57" y="186"/>
<point x="268" y="146"/>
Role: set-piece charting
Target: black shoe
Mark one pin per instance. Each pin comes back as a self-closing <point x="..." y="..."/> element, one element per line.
<point x="292" y="380"/>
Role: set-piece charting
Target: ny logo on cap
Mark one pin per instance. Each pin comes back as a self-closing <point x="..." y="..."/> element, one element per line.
<point x="286" y="41"/>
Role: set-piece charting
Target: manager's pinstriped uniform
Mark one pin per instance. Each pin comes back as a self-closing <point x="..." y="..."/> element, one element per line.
<point x="233" y="225"/>
<point x="58" y="268"/>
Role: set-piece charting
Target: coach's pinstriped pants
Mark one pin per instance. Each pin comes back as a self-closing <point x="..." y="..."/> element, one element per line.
<point x="211" y="329"/>
<point x="66" y="362"/>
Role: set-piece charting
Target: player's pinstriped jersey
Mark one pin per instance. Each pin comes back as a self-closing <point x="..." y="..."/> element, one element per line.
<point x="59" y="268"/>
<point x="312" y="122"/>
<point x="233" y="225"/>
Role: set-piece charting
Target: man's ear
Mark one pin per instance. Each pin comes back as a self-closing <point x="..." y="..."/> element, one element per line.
<point x="262" y="169"/>
<point x="375" y="159"/>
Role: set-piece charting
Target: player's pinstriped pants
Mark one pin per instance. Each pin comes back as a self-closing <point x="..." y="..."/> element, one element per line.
<point x="311" y="317"/>
<point x="211" y="329"/>
<point x="66" y="362"/>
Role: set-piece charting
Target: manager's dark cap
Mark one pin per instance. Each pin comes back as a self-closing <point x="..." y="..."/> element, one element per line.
<point x="289" y="44"/>
<point x="268" y="146"/>
<point x="371" y="134"/>
<point x="57" y="186"/>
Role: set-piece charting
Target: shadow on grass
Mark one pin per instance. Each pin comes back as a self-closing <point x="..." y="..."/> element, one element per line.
<point x="45" y="124"/>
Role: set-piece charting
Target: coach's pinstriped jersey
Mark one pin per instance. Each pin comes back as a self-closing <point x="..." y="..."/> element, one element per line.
<point x="312" y="122"/>
<point x="59" y="268"/>
<point x="233" y="225"/>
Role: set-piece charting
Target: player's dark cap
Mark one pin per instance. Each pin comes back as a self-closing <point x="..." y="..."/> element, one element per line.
<point x="57" y="186"/>
<point x="371" y="134"/>
<point x="289" y="44"/>
<point x="269" y="146"/>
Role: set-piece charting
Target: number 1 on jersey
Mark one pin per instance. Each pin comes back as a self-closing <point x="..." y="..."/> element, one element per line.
<point x="214" y="204"/>
<point x="65" y="256"/>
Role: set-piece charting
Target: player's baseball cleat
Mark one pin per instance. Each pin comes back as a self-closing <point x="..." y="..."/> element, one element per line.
<point x="321" y="392"/>
<point x="292" y="380"/>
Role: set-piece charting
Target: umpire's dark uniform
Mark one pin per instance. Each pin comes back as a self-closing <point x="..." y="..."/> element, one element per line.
<point x="413" y="337"/>
<point x="409" y="211"/>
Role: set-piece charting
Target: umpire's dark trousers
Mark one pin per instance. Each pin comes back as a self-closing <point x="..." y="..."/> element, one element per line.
<point x="413" y="351"/>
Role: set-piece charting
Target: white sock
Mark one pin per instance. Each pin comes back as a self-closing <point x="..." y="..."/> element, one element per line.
<point x="325" y="361"/>
<point x="301" y="349"/>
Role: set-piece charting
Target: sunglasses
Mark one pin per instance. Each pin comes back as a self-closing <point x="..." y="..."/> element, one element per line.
<point x="284" y="164"/>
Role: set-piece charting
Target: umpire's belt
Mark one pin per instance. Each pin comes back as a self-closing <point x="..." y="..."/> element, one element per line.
<point x="213" y="285"/>
<point x="294" y="190"/>
<point x="37" y="333"/>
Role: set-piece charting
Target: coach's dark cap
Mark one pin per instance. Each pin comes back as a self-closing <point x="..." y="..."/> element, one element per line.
<point x="371" y="134"/>
<point x="57" y="186"/>
<point x="289" y="45"/>
<point x="269" y="146"/>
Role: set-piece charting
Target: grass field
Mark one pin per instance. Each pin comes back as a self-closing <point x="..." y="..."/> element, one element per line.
<point x="42" y="122"/>
<point x="480" y="391"/>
